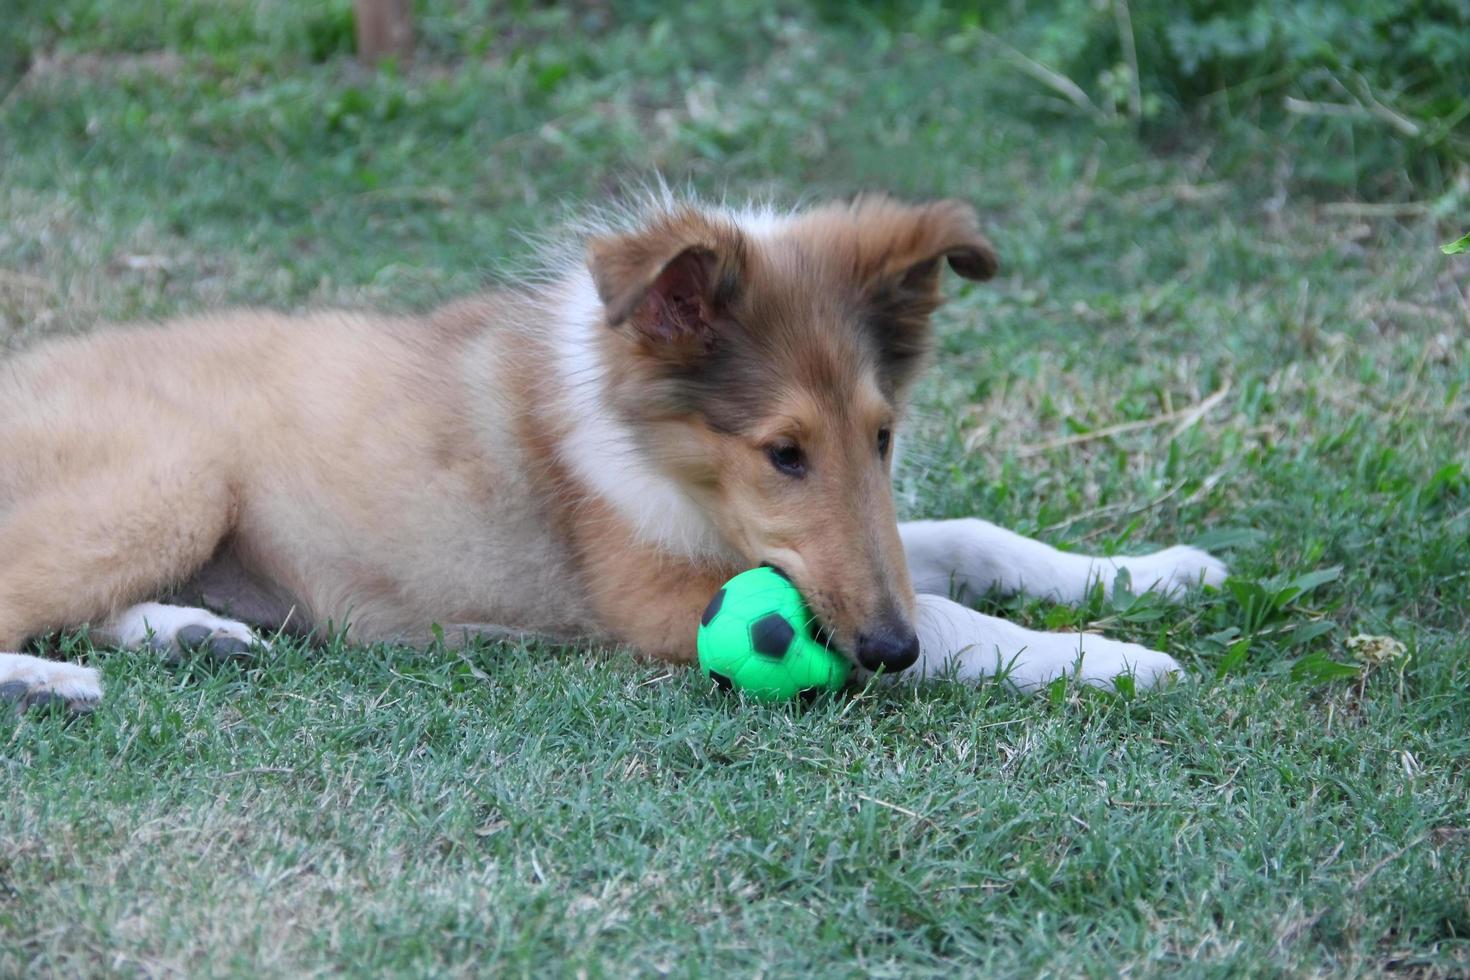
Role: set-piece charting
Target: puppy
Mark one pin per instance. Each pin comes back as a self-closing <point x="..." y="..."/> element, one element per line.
<point x="694" y="391"/>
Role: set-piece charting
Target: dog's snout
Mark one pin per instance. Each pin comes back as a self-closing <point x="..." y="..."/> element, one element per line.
<point x="894" y="646"/>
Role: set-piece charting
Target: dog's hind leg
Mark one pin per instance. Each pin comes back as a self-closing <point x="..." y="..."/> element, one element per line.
<point x="85" y="551"/>
<point x="970" y="557"/>
<point x="176" y="630"/>
<point x="29" y="682"/>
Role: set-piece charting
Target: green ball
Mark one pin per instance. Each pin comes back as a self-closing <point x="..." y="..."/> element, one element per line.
<point x="757" y="636"/>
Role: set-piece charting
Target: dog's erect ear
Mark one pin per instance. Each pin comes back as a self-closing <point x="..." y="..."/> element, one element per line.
<point x="900" y="249"/>
<point x="902" y="245"/>
<point x="670" y="280"/>
<point x="895" y="253"/>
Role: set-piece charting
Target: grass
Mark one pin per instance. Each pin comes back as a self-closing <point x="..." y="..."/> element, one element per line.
<point x="532" y="811"/>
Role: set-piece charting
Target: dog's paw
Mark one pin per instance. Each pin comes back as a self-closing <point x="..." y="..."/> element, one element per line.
<point x="34" y="682"/>
<point x="1089" y="658"/>
<point x="1173" y="571"/>
<point x="1104" y="661"/>
<point x="176" y="630"/>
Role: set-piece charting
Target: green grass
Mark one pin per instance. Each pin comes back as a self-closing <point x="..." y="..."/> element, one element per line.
<point x="522" y="810"/>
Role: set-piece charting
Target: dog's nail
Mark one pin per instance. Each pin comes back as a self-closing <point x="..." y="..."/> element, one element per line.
<point x="193" y="637"/>
<point x="228" y="646"/>
<point x="14" y="691"/>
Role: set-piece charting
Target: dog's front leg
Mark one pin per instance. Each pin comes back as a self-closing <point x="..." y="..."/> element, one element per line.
<point x="959" y="642"/>
<point x="970" y="557"/>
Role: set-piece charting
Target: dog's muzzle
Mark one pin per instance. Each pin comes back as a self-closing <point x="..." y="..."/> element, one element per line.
<point x="893" y="646"/>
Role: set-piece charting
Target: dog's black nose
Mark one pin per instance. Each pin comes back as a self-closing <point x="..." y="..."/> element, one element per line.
<point x="894" y="646"/>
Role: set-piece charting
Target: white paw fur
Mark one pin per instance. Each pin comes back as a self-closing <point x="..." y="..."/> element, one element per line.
<point x="1093" y="660"/>
<point x="175" y="628"/>
<point x="1173" y="571"/>
<point x="28" y="680"/>
<point x="960" y="642"/>
<point x="969" y="557"/>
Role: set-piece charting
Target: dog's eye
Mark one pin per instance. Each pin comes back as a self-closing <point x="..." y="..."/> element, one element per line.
<point x="885" y="438"/>
<point x="788" y="458"/>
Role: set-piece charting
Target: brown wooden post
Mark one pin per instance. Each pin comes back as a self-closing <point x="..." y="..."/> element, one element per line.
<point x="384" y="27"/>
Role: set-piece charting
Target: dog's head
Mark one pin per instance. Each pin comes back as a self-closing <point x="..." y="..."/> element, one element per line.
<point x="767" y="360"/>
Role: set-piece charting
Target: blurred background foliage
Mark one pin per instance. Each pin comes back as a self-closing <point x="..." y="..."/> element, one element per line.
<point x="1367" y="95"/>
<point x="1368" y="98"/>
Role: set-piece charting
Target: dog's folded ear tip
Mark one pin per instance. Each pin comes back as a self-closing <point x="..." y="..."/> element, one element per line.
<point x="971" y="255"/>
<point x="976" y="262"/>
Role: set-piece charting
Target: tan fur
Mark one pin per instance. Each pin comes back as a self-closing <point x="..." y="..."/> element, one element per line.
<point x="876" y="238"/>
<point x="380" y="474"/>
<point x="642" y="598"/>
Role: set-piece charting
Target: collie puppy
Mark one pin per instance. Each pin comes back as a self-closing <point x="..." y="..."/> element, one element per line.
<point x="695" y="391"/>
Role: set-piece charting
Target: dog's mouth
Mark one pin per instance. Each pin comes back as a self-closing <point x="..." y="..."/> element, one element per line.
<point x="816" y="628"/>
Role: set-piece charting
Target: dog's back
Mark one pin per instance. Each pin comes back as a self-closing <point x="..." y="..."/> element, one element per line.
<point x="336" y="457"/>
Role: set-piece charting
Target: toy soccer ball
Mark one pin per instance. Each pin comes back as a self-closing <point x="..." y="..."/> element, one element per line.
<point x="757" y="636"/>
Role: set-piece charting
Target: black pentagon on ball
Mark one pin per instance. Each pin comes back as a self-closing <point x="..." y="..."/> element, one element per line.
<point x="771" y="635"/>
<point x="721" y="681"/>
<point x="713" y="609"/>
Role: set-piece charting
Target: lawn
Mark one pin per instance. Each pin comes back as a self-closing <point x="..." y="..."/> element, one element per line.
<point x="1177" y="350"/>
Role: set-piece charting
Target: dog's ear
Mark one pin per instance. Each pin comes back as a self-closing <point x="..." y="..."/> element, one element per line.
<point x="670" y="281"/>
<point x="902" y="245"/>
<point x="901" y="250"/>
<point x="898" y="252"/>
